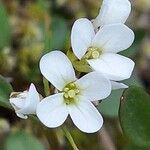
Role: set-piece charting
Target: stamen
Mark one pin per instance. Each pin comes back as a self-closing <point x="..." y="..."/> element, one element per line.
<point x="66" y="89"/>
<point x="66" y="95"/>
<point x="70" y="93"/>
<point x="93" y="53"/>
<point x="72" y="84"/>
<point x="77" y="91"/>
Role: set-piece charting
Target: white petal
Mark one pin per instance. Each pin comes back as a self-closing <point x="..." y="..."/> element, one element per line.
<point x="113" y="38"/>
<point x="113" y="66"/>
<point x="94" y="86"/>
<point x="17" y="103"/>
<point x="31" y="101"/>
<point x="22" y="116"/>
<point x="81" y="36"/>
<point x="57" y="68"/>
<point x="113" y="11"/>
<point x="85" y="116"/>
<point x="117" y="85"/>
<point x="52" y="111"/>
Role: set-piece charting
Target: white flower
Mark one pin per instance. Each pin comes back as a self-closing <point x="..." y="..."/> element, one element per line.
<point x="100" y="49"/>
<point x="25" y="103"/>
<point x="74" y="97"/>
<point x="112" y="12"/>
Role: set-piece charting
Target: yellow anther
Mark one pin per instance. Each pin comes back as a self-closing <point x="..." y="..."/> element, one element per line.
<point x="66" y="89"/>
<point x="77" y="91"/>
<point x="71" y="93"/>
<point x="66" y="95"/>
<point x="95" y="54"/>
<point x="72" y="85"/>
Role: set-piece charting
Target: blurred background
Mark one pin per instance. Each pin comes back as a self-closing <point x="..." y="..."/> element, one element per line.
<point x="31" y="28"/>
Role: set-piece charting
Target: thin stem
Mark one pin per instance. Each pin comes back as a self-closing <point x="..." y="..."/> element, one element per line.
<point x="69" y="137"/>
<point x="46" y="87"/>
<point x="106" y="140"/>
<point x="52" y="138"/>
<point x="50" y="134"/>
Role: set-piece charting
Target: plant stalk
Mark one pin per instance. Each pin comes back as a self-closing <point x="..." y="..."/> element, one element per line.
<point x="69" y="137"/>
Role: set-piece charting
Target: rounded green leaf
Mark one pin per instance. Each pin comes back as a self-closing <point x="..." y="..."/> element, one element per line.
<point x="134" y="147"/>
<point x="22" y="141"/>
<point x="134" y="115"/>
<point x="57" y="36"/>
<point x="110" y="105"/>
<point x="5" y="91"/>
<point x="5" y="31"/>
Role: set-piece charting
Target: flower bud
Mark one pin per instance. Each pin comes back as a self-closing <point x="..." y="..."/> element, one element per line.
<point x="25" y="103"/>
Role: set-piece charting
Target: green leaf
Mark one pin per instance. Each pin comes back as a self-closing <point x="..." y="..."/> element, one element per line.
<point x="42" y="4"/>
<point x="5" y="31"/>
<point x="56" y="38"/>
<point x="134" y="147"/>
<point x="110" y="105"/>
<point x="5" y="91"/>
<point x="135" y="115"/>
<point x="133" y="80"/>
<point x="22" y="141"/>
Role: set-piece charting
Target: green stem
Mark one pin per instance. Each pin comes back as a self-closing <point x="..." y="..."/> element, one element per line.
<point x="69" y="137"/>
<point x="46" y="87"/>
<point x="52" y="139"/>
<point x="50" y="134"/>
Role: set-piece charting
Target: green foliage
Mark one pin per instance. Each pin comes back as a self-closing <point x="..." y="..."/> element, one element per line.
<point x="5" y="90"/>
<point x="55" y="39"/>
<point x="83" y="140"/>
<point x="110" y="105"/>
<point x="135" y="116"/>
<point x="134" y="147"/>
<point x="22" y="141"/>
<point x="5" y="31"/>
<point x="42" y="5"/>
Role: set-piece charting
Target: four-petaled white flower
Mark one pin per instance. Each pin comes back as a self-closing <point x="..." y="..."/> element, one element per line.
<point x="25" y="103"/>
<point x="74" y="95"/>
<point x="99" y="49"/>
<point x="112" y="12"/>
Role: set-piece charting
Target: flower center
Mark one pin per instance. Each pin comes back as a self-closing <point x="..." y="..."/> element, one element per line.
<point x="93" y="53"/>
<point x="70" y="93"/>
